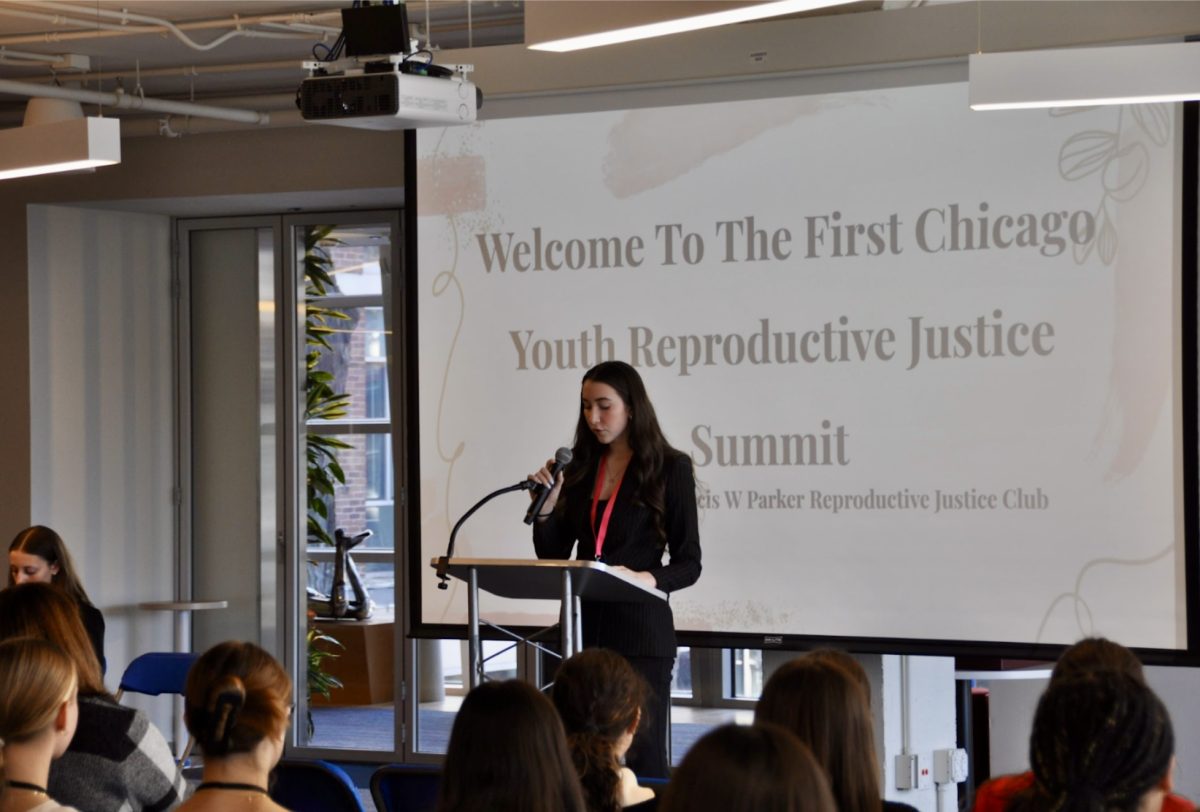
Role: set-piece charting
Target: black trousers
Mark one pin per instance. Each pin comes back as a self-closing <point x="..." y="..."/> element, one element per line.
<point x="648" y="755"/>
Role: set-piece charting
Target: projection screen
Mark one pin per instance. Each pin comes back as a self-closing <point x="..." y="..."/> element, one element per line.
<point x="927" y="361"/>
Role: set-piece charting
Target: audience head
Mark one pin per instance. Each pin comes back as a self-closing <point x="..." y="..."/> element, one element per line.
<point x="38" y="555"/>
<point x="845" y="661"/>
<point x="748" y="769"/>
<point x="826" y="708"/>
<point x="237" y="697"/>
<point x="599" y="696"/>
<point x="37" y="693"/>
<point x="1097" y="654"/>
<point x="508" y="753"/>
<point x="41" y="610"/>
<point x="1101" y="741"/>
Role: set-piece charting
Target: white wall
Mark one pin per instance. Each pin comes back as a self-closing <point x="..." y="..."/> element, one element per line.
<point x="931" y="723"/>
<point x="226" y="462"/>
<point x="101" y="405"/>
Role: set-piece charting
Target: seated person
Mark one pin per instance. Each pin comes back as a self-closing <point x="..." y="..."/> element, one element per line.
<point x="118" y="761"/>
<point x="1085" y="657"/>
<point x="1101" y="741"/>
<point x="38" y="555"/>
<point x="38" y="713"/>
<point x="737" y="768"/>
<point x="600" y="698"/>
<point x="508" y="753"/>
<point x="826" y="707"/>
<point x="237" y="707"/>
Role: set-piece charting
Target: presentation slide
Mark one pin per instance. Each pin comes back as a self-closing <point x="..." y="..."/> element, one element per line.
<point x="926" y="360"/>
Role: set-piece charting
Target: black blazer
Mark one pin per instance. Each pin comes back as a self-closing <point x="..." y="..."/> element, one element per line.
<point x="632" y="629"/>
<point x="93" y="623"/>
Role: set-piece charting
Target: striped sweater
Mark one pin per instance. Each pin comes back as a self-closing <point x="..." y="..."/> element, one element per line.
<point x="117" y="762"/>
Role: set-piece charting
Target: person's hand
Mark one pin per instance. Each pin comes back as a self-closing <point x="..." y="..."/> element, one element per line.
<point x="542" y="477"/>
<point x="644" y="578"/>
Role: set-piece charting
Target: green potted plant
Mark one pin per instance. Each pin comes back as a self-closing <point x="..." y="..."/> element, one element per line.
<point x="322" y="402"/>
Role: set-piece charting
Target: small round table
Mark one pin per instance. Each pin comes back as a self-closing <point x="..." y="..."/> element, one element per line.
<point x="183" y="614"/>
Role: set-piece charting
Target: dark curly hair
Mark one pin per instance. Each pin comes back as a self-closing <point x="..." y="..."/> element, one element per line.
<point x="599" y="695"/>
<point x="1100" y="742"/>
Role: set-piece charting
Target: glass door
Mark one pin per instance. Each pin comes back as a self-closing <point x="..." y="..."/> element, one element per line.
<point x="346" y="602"/>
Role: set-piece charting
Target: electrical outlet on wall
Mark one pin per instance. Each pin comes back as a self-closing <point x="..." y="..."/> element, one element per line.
<point x="907" y="771"/>
<point x="950" y="766"/>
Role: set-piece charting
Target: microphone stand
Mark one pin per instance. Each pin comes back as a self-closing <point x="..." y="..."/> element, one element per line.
<point x="444" y="561"/>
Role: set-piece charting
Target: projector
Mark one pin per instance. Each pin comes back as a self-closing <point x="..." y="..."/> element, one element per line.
<point x="390" y="99"/>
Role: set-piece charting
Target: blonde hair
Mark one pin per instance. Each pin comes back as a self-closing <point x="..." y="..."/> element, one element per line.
<point x="36" y="677"/>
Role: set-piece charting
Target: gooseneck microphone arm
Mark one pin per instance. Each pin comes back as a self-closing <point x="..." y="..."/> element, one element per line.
<point x="443" y="578"/>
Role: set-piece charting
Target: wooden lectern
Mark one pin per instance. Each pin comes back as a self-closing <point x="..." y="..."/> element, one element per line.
<point x="540" y="579"/>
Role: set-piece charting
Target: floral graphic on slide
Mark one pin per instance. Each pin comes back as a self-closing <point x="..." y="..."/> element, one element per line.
<point x="1119" y="160"/>
<point x="453" y="187"/>
<point x="1084" y="621"/>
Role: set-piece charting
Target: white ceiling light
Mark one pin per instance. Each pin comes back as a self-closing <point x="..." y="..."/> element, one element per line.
<point x="695" y="23"/>
<point x="1075" y="77"/>
<point x="56" y="137"/>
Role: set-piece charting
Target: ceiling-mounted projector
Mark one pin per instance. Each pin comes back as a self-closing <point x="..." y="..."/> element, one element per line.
<point x="396" y="97"/>
<point x="383" y="85"/>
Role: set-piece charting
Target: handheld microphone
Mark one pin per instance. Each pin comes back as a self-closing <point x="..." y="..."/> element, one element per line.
<point x="561" y="458"/>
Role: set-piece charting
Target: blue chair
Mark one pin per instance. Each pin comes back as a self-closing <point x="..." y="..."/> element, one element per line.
<point x="404" y="788"/>
<point x="157" y="673"/>
<point x="314" y="786"/>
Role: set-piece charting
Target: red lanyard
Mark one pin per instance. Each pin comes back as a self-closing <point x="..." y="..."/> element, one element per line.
<point x="603" y="531"/>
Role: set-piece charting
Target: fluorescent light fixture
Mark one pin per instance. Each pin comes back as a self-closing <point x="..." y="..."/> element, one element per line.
<point x="63" y="146"/>
<point x="1083" y="77"/>
<point x="677" y="26"/>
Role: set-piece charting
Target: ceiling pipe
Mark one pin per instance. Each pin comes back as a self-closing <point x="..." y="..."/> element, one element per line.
<point x="128" y="101"/>
<point x="234" y="20"/>
<point x="281" y="106"/>
<point x="180" y="70"/>
<point x="8" y="55"/>
<point x="149" y="127"/>
<point x="95" y="29"/>
<point x="110" y="29"/>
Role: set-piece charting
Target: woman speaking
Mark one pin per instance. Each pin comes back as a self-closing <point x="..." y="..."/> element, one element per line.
<point x="626" y="497"/>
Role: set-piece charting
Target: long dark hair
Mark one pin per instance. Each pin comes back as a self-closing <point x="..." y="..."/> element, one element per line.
<point x="598" y="694"/>
<point x="737" y="768"/>
<point x="1100" y="742"/>
<point x="42" y="610"/>
<point x="646" y="472"/>
<point x="824" y="705"/>
<point x="47" y="545"/>
<point x="508" y="753"/>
